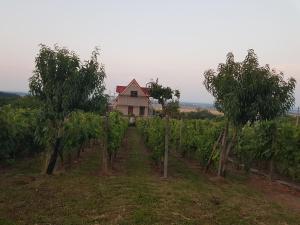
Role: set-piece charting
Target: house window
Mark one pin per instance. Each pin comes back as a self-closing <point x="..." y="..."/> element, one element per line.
<point x="130" y="110"/>
<point x="142" y="110"/>
<point x="133" y="93"/>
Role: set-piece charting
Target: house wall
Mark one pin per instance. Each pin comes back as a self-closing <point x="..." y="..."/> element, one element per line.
<point x="133" y="87"/>
<point x="136" y="110"/>
<point x="124" y="100"/>
<point x="134" y="101"/>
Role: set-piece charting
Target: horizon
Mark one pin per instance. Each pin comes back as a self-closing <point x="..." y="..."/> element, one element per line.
<point x="171" y="40"/>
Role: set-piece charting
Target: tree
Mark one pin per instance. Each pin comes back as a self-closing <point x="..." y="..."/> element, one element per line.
<point x="169" y="100"/>
<point x="64" y="84"/>
<point x="247" y="92"/>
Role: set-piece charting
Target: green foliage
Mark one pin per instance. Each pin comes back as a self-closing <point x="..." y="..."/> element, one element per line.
<point x="279" y="140"/>
<point x="153" y="132"/>
<point x="21" y="102"/>
<point x="246" y="92"/>
<point x="117" y="128"/>
<point x="258" y="143"/>
<point x="168" y="98"/>
<point x="25" y="132"/>
<point x="7" y="100"/>
<point x="17" y="126"/>
<point x="201" y="114"/>
<point x="197" y="137"/>
<point x="80" y="128"/>
<point x="65" y="84"/>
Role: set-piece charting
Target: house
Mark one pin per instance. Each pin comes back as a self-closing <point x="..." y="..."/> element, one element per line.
<point x="133" y="100"/>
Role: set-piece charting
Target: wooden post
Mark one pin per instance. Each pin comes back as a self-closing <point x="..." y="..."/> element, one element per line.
<point x="180" y="135"/>
<point x="271" y="165"/>
<point x="105" y="145"/>
<point x="297" y="119"/>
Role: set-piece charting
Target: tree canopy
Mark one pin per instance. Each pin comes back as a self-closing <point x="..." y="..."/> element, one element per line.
<point x="64" y="83"/>
<point x="167" y="97"/>
<point x="246" y="92"/>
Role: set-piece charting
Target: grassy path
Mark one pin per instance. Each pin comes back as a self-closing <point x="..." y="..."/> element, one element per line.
<point x="134" y="194"/>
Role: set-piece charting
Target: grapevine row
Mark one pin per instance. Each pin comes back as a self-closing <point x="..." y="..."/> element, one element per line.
<point x="257" y="146"/>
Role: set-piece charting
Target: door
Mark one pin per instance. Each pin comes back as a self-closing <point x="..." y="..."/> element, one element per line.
<point x="130" y="110"/>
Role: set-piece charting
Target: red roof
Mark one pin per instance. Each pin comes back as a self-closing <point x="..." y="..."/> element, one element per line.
<point x="145" y="90"/>
<point x="120" y="89"/>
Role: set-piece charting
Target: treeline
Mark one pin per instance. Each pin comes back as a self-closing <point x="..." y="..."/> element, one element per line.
<point x="196" y="139"/>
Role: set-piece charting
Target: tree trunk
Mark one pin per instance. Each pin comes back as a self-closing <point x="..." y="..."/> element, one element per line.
<point x="228" y="149"/>
<point x="223" y="151"/>
<point x="54" y="156"/>
<point x="45" y="159"/>
<point x="213" y="151"/>
<point x="166" y="147"/>
<point x="61" y="156"/>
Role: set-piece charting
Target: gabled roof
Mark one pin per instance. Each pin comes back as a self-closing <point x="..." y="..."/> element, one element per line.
<point x="120" y="89"/>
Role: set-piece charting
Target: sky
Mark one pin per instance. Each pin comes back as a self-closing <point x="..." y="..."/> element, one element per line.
<point x="175" y="41"/>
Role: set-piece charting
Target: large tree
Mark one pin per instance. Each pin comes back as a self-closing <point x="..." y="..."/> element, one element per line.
<point x="65" y="84"/>
<point x="169" y="100"/>
<point x="246" y="92"/>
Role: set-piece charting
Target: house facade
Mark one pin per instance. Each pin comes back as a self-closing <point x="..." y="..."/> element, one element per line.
<point x="133" y="100"/>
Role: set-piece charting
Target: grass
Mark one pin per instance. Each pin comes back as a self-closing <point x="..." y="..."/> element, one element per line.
<point x="134" y="195"/>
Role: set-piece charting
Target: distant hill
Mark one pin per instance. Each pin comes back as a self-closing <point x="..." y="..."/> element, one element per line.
<point x="6" y="94"/>
<point x="197" y="105"/>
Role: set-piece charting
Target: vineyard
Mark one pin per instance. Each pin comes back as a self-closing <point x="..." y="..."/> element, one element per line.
<point x="25" y="134"/>
<point x="68" y="156"/>
<point x="194" y="139"/>
<point x="135" y="193"/>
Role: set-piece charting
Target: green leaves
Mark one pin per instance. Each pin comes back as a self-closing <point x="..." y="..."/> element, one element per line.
<point x="117" y="128"/>
<point x="168" y="98"/>
<point x="279" y="140"/>
<point x="153" y="131"/>
<point x="246" y="92"/>
<point x="197" y="136"/>
<point x="65" y="84"/>
<point x="81" y="127"/>
<point x="17" y="134"/>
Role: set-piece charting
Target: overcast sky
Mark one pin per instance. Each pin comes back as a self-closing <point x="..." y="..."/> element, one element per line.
<point x="175" y="41"/>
